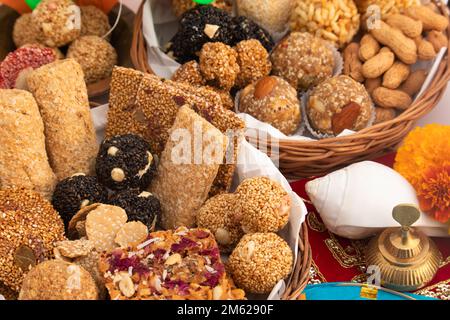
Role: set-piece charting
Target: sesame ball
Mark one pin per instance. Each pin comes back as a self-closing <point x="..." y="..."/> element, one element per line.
<point x="96" y="56"/>
<point x="253" y="60"/>
<point x="218" y="64"/>
<point x="272" y="15"/>
<point x="263" y="205"/>
<point x="25" y="31"/>
<point x="181" y="6"/>
<point x="337" y="104"/>
<point x="28" y="228"/>
<point x="58" y="53"/>
<point x="139" y="206"/>
<point x="189" y="72"/>
<point x="260" y="261"/>
<point x="125" y="162"/>
<point x="218" y="215"/>
<point x="303" y="60"/>
<point x="75" y="193"/>
<point x="59" y="22"/>
<point x="94" y="22"/>
<point x="246" y="29"/>
<point x="227" y="99"/>
<point x="198" y="26"/>
<point x="58" y="280"/>
<point x="273" y="100"/>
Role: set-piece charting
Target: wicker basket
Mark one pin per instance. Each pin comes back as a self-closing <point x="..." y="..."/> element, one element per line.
<point x="310" y="158"/>
<point x="301" y="272"/>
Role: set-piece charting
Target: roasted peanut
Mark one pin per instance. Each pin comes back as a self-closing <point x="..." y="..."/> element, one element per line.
<point x="372" y="84"/>
<point x="368" y="47"/>
<point x="394" y="77"/>
<point x="388" y="98"/>
<point x="410" y="27"/>
<point x="378" y="64"/>
<point x="352" y="64"/>
<point x="425" y="49"/>
<point x="414" y="83"/>
<point x="437" y="39"/>
<point x="430" y="19"/>
<point x="404" y="47"/>
<point x="384" y="114"/>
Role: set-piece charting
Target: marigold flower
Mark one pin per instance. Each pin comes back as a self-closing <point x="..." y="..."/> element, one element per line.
<point x="424" y="160"/>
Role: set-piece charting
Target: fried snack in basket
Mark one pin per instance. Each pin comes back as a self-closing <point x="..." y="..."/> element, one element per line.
<point x="181" y="264"/>
<point x="187" y="168"/>
<point x="23" y="158"/>
<point x="61" y="94"/>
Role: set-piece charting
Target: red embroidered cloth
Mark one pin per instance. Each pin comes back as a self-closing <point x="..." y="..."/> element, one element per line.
<point x="336" y="259"/>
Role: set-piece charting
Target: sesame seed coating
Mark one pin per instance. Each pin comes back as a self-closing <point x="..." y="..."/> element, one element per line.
<point x="8" y="293"/>
<point x="25" y="31"/>
<point x="303" y="60"/>
<point x="253" y="60"/>
<point x="246" y="29"/>
<point x="96" y="56"/>
<point x="94" y="22"/>
<point x="263" y="205"/>
<point x="181" y="6"/>
<point x="61" y="94"/>
<point x="217" y="215"/>
<point x="218" y="64"/>
<point x="280" y="107"/>
<point x="58" y="280"/>
<point x="189" y="72"/>
<point x="26" y="220"/>
<point x="331" y="96"/>
<point x="23" y="157"/>
<point x="57" y="22"/>
<point x="259" y="261"/>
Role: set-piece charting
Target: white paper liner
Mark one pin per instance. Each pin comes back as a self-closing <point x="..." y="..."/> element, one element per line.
<point x="251" y="163"/>
<point x="319" y="135"/>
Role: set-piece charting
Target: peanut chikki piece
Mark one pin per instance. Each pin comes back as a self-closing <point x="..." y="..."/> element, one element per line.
<point x="184" y="179"/>
<point x="180" y="264"/>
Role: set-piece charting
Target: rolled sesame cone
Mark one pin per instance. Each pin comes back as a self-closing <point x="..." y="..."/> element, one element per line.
<point x="61" y="94"/>
<point x="182" y="185"/>
<point x="19" y="63"/>
<point x="23" y="157"/>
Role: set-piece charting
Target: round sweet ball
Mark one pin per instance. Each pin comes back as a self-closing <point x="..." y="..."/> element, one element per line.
<point x="336" y="21"/>
<point x="58" y="280"/>
<point x="94" y="22"/>
<point x="260" y="261"/>
<point x="25" y="31"/>
<point x="75" y="193"/>
<point x="218" y="65"/>
<point x="272" y="15"/>
<point x="139" y="206"/>
<point x="181" y="6"/>
<point x="218" y="215"/>
<point x="96" y="56"/>
<point x="58" y="22"/>
<point x="272" y="100"/>
<point x="246" y="29"/>
<point x="253" y="60"/>
<point x="124" y="162"/>
<point x="198" y="26"/>
<point x="189" y="73"/>
<point x="337" y="104"/>
<point x="263" y="205"/>
<point x="58" y="53"/>
<point x="28" y="230"/>
<point x="303" y="60"/>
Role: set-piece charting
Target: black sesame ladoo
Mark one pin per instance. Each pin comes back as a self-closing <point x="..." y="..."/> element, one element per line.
<point x="76" y="192"/>
<point x="139" y="206"/>
<point x="125" y="162"/>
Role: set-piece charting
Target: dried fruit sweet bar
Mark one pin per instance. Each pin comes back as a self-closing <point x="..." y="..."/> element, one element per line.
<point x="180" y="264"/>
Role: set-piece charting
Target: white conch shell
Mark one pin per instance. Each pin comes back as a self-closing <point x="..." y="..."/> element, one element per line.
<point x="356" y="202"/>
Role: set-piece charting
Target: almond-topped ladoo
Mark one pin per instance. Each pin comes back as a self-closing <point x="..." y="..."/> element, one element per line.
<point x="337" y="104"/>
<point x="180" y="264"/>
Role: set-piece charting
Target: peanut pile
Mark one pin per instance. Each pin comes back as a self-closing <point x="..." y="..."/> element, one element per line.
<point x="384" y="57"/>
